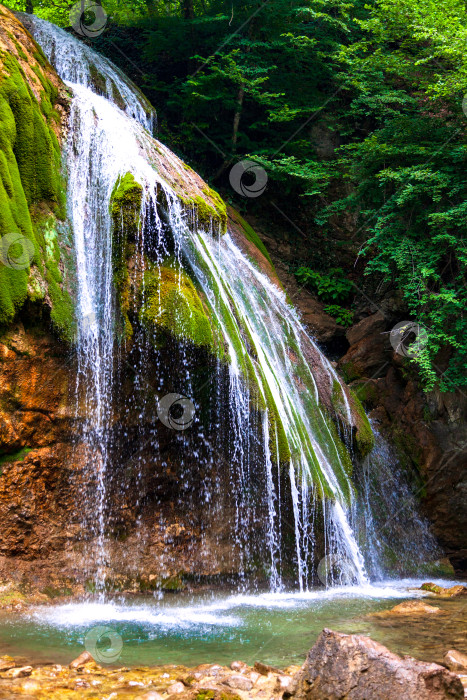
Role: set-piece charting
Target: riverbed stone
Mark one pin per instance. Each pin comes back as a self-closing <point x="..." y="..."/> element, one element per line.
<point x="355" y="667"/>
<point x="176" y="688"/>
<point x="444" y="592"/>
<point x="20" y="672"/>
<point x="408" y="608"/>
<point x="82" y="660"/>
<point x="239" y="683"/>
<point x="456" y="661"/>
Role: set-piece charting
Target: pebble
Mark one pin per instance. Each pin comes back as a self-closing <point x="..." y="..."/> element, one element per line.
<point x="239" y="666"/>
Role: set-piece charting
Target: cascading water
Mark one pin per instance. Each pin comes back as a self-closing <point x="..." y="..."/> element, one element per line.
<point x="395" y="538"/>
<point x="274" y="368"/>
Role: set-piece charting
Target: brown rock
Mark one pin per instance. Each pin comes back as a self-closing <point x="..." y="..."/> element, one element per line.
<point x="444" y="592"/>
<point x="410" y="607"/>
<point x="19" y="672"/>
<point x="264" y="669"/>
<point x="176" y="688"/>
<point x="368" y="326"/>
<point x="6" y="662"/>
<point x="82" y="660"/>
<point x="456" y="661"/>
<point x="355" y="667"/>
<point x="239" y="683"/>
<point x="239" y="666"/>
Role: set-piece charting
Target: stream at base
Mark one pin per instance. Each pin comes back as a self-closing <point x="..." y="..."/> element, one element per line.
<point x="216" y="627"/>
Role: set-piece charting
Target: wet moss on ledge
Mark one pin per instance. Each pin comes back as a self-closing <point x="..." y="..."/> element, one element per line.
<point x="171" y="304"/>
<point x="364" y="438"/>
<point x="125" y="209"/>
<point x="32" y="194"/>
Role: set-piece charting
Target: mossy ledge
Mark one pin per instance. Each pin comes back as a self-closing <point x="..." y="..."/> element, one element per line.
<point x="32" y="191"/>
<point x="171" y="304"/>
<point x="125" y="209"/>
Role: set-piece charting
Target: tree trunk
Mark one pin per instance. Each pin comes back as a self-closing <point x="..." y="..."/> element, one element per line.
<point x="237" y="115"/>
<point x="29" y="7"/>
<point x="188" y="9"/>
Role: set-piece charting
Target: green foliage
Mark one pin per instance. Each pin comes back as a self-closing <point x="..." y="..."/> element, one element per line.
<point x="344" y="317"/>
<point x="333" y="286"/>
<point x="354" y="110"/>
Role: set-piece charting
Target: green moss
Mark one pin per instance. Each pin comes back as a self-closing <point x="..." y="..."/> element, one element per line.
<point x="366" y="392"/>
<point x="15" y="456"/>
<point x="208" y="212"/>
<point x="350" y="372"/>
<point x="219" y="206"/>
<point x="251" y="236"/>
<point x="364" y="437"/>
<point x="30" y="174"/>
<point x="52" y="592"/>
<point x="125" y="209"/>
<point x="171" y="303"/>
<point x="97" y="79"/>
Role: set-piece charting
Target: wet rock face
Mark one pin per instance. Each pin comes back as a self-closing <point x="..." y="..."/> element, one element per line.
<point x="357" y="668"/>
<point x="156" y="512"/>
<point x="428" y="431"/>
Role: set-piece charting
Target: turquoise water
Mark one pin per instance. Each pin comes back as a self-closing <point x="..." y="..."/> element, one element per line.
<point x="216" y="627"/>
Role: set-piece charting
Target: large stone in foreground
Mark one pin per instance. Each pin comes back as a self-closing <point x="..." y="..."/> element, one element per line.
<point x="354" y="667"/>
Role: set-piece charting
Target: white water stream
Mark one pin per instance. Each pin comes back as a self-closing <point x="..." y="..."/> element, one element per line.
<point x="109" y="136"/>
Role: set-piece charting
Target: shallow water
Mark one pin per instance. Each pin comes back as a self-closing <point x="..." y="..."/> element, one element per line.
<point x="275" y="628"/>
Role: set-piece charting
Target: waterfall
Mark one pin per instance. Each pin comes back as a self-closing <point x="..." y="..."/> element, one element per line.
<point x="274" y="368"/>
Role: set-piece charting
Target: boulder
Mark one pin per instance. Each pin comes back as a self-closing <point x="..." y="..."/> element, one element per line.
<point x="374" y="324"/>
<point x="354" y="667"/>
<point x="455" y="661"/>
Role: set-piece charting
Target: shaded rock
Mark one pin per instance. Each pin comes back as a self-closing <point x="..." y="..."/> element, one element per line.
<point x="370" y="325"/>
<point x="456" y="661"/>
<point x="355" y="667"/>
<point x="444" y="592"/>
<point x="410" y="607"/>
<point x="82" y="660"/>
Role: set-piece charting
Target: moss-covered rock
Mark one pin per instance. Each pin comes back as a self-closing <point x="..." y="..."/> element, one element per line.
<point x="171" y="304"/>
<point x="32" y="199"/>
<point x="364" y="437"/>
<point x="125" y="208"/>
